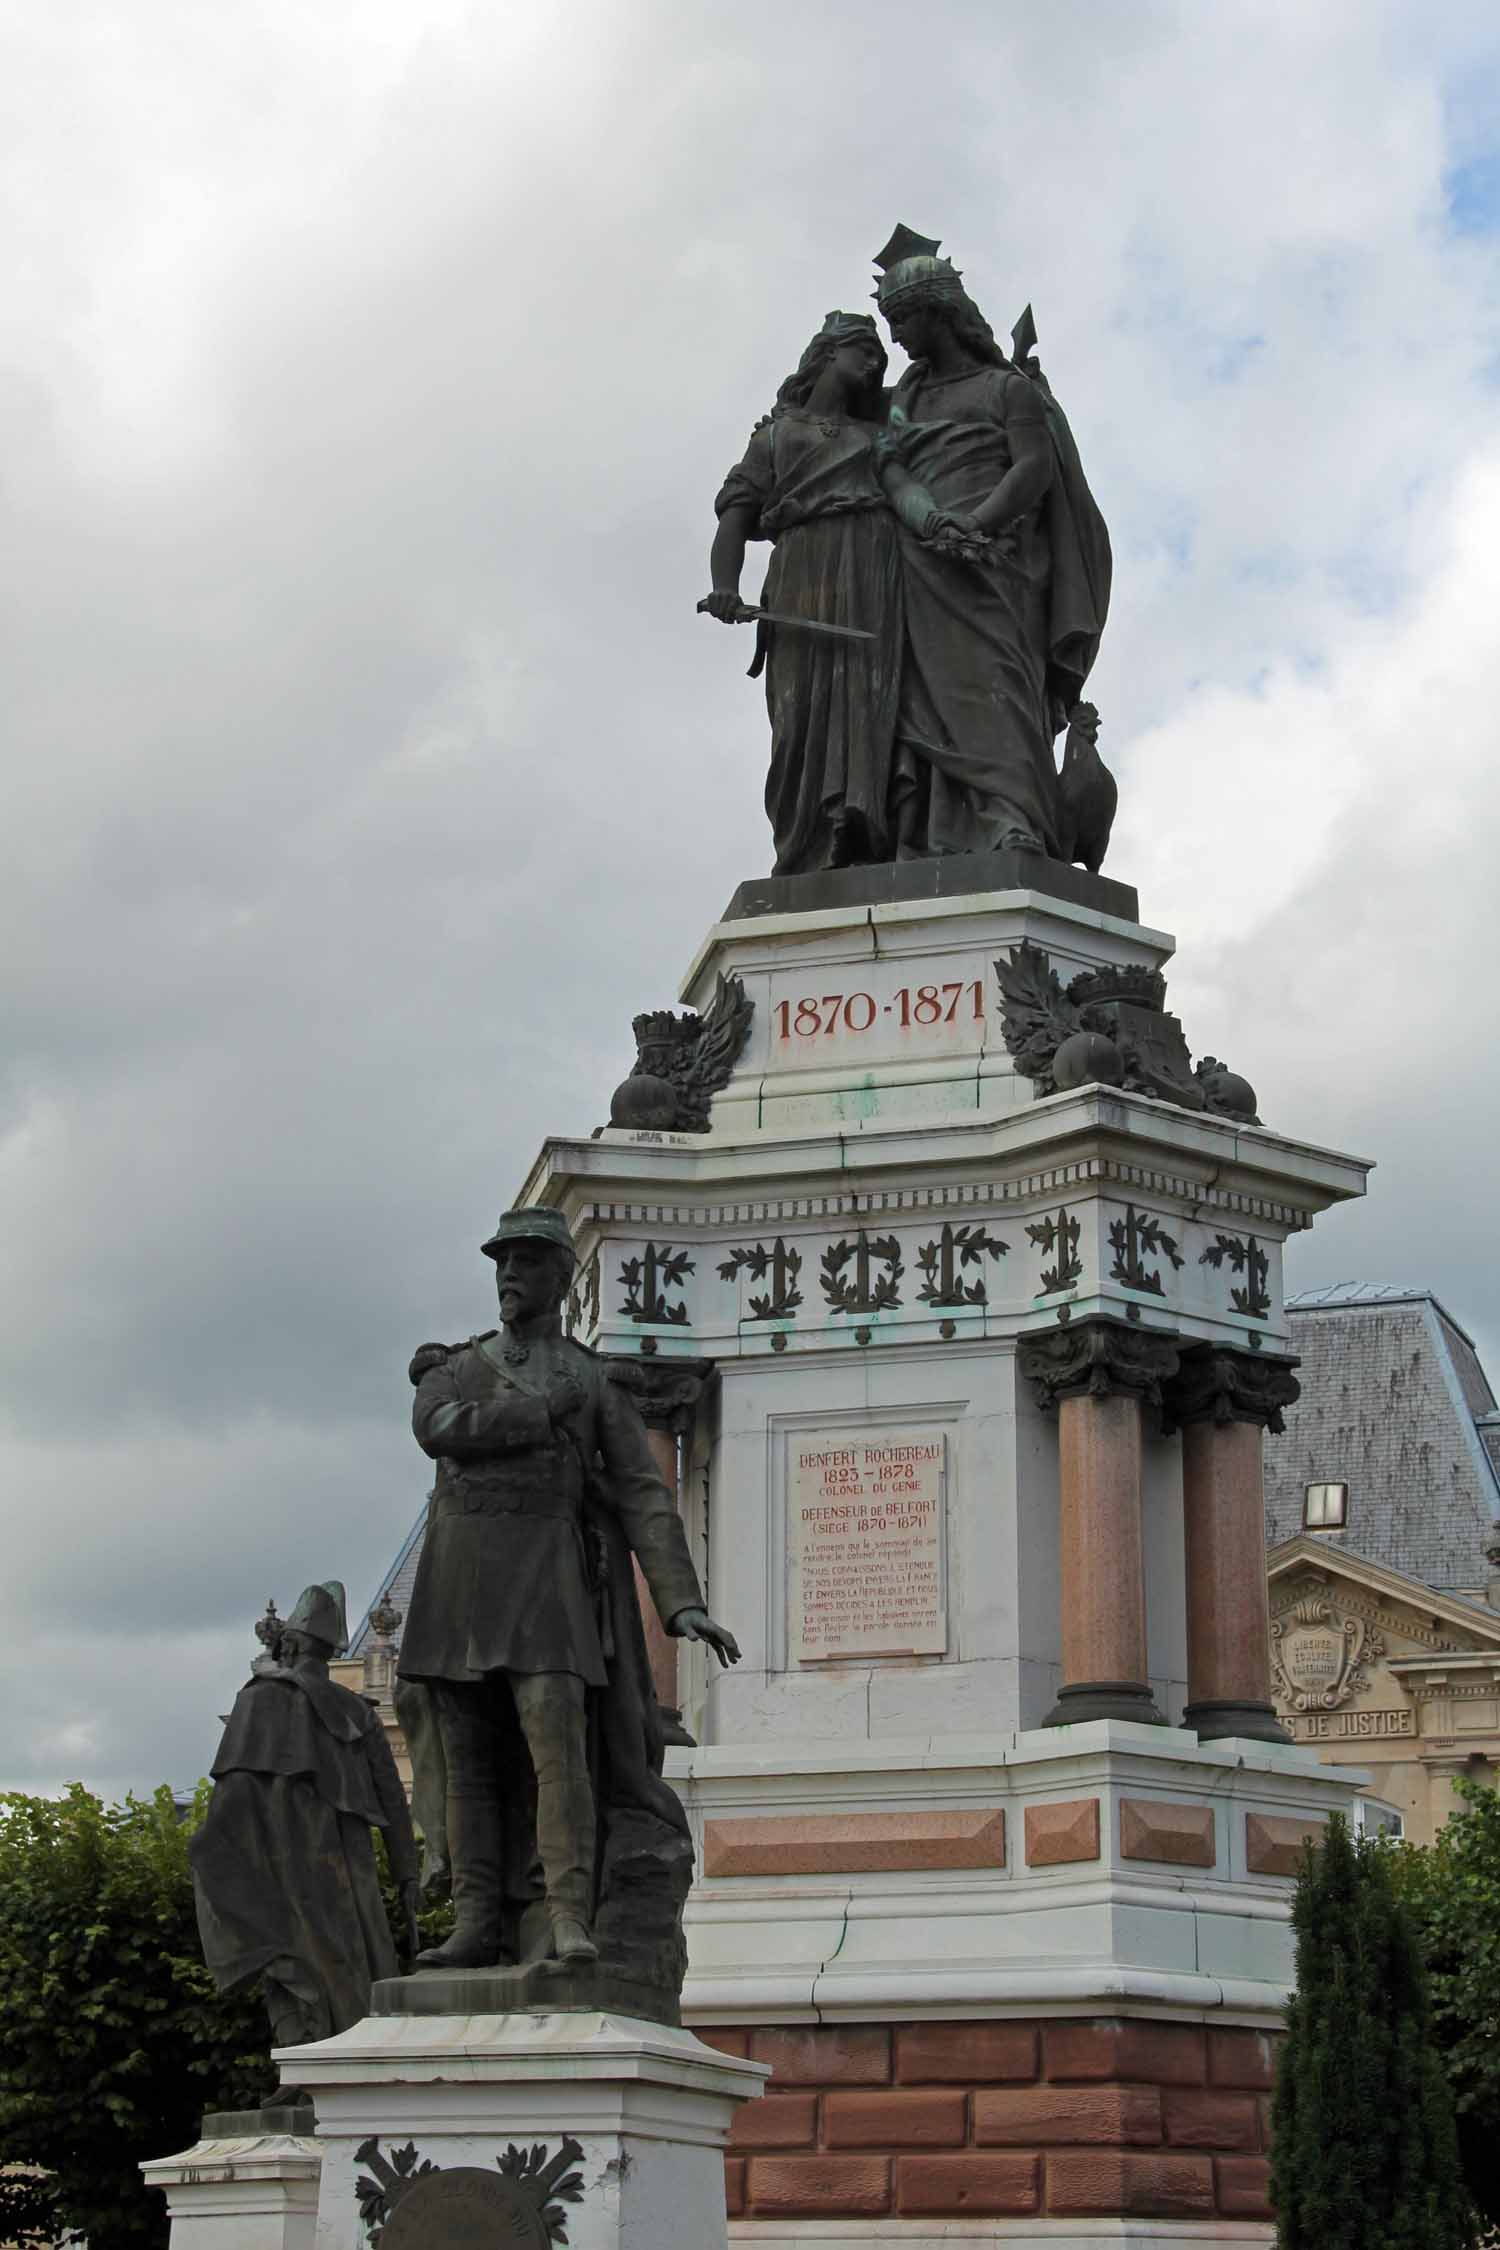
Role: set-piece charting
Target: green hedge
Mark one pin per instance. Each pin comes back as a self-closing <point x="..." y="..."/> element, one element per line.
<point x="113" y="2040"/>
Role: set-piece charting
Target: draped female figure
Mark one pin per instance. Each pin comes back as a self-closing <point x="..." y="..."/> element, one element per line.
<point x="808" y="483"/>
<point x="1005" y="573"/>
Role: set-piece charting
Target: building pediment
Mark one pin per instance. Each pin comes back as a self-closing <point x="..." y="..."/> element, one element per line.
<point x="1350" y="1641"/>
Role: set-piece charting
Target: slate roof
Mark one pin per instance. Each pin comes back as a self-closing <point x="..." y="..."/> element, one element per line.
<point x="1396" y="1404"/>
<point x="397" y="1583"/>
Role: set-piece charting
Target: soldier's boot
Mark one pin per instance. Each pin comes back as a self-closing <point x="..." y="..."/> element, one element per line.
<point x="478" y="1888"/>
<point x="565" y="1845"/>
<point x="551" y="1708"/>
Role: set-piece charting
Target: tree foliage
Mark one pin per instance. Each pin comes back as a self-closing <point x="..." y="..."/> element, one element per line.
<point x="1452" y="1890"/>
<point x="113" y="2040"/>
<point x="1364" y="2152"/>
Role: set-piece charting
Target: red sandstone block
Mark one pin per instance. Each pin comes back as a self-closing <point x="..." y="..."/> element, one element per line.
<point x="896" y="2120"/>
<point x="820" y="2187"/>
<point x="727" y="2042"/>
<point x="1163" y="2054"/>
<point x="1069" y="2116"/>
<point x="1198" y="2118"/>
<point x="1101" y="2183"/>
<point x="855" y="2054"/>
<point x="1242" y="2058"/>
<point x="965" y="2054"/>
<point x="948" y="2185"/>
<point x="734" y="2185"/>
<point x="784" y="2121"/>
<point x="1244" y="2187"/>
<point x="1263" y="2104"/>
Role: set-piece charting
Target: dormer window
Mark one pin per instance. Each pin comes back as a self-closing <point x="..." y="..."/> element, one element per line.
<point x="1325" y="1507"/>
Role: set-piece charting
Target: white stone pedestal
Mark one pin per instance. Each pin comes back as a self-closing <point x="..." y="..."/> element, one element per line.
<point x="650" y="2108"/>
<point x="257" y="2192"/>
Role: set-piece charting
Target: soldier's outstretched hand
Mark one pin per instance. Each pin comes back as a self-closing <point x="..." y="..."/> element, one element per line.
<point x="697" y="1625"/>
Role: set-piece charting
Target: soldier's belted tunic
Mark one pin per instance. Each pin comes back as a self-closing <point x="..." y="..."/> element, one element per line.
<point x="506" y="1581"/>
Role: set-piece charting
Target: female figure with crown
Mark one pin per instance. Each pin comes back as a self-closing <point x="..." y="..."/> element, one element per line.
<point x="808" y="483"/>
<point x="1005" y="571"/>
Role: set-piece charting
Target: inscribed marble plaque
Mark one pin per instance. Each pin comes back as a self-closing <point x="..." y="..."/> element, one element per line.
<point x="866" y="1519"/>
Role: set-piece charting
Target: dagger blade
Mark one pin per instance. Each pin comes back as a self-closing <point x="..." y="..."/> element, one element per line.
<point x="749" y="616"/>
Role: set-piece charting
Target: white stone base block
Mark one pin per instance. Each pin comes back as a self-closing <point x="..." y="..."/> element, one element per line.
<point x="1152" y="1902"/>
<point x="1014" y="2234"/>
<point x="650" y="2107"/>
<point x="259" y="2193"/>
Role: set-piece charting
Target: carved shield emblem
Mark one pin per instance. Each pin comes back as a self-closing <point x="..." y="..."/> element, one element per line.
<point x="1318" y="1655"/>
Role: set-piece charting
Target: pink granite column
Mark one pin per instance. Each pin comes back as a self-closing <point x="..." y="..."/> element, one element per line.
<point x="1098" y="1376"/>
<point x="1103" y="1562"/>
<point x="1224" y="1402"/>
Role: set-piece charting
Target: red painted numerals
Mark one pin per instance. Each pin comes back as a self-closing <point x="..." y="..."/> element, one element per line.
<point x="917" y="1006"/>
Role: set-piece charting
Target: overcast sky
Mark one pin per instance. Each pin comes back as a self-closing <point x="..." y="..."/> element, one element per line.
<point x="366" y="374"/>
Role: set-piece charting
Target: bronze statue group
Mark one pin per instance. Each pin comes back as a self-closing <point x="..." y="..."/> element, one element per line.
<point x="946" y="533"/>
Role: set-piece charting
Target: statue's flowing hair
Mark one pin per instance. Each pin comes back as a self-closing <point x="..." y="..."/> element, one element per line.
<point x="797" y="388"/>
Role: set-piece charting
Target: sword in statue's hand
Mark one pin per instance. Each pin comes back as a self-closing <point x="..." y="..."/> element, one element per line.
<point x="746" y="615"/>
<point x="730" y="610"/>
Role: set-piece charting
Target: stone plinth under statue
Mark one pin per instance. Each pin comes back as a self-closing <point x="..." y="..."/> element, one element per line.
<point x="614" y="2127"/>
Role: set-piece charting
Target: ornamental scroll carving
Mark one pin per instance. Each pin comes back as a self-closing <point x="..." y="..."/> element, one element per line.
<point x="1319" y="1655"/>
<point x="1097" y="1359"/>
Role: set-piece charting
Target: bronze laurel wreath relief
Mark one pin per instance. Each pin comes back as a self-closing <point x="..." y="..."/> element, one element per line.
<point x="404" y="2199"/>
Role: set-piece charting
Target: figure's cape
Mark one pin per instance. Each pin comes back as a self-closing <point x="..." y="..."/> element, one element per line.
<point x="1078" y="539"/>
<point x="1082" y="567"/>
<point x="288" y="1723"/>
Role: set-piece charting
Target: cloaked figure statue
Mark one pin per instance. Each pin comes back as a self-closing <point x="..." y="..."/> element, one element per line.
<point x="284" y="1866"/>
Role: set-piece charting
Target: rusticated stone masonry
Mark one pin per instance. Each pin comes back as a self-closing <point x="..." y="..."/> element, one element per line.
<point x="1072" y="2118"/>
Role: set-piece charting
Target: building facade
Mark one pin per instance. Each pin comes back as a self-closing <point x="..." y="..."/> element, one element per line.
<point x="1383" y="1530"/>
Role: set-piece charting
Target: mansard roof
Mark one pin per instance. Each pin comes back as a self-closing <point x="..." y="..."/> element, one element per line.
<point x="396" y="1584"/>
<point x="1396" y="1405"/>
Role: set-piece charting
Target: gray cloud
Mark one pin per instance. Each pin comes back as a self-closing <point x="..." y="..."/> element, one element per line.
<point x="364" y="385"/>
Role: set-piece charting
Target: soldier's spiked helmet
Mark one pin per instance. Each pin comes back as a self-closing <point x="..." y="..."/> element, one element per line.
<point x="530" y="1224"/>
<point x="320" y="1612"/>
<point x="912" y="273"/>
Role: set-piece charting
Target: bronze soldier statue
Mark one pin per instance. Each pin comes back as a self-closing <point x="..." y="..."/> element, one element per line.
<point x="283" y="1867"/>
<point x="523" y="1600"/>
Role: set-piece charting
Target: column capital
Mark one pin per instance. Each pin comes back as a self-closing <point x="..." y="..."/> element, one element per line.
<point x="1097" y="1359"/>
<point x="1212" y="1385"/>
<point x="666" y="1391"/>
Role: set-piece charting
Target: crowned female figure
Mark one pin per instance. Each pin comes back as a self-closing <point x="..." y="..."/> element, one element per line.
<point x="1005" y="571"/>
<point x="808" y="483"/>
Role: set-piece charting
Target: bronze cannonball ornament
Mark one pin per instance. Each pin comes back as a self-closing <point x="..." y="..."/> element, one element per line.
<point x="1225" y="1091"/>
<point x="644" y="1103"/>
<point x="1087" y="1059"/>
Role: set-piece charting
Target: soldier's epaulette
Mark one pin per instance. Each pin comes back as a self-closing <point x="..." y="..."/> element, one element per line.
<point x="428" y="1356"/>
